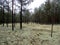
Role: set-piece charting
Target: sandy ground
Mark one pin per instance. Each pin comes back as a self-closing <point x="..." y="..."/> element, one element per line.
<point x="31" y="34"/>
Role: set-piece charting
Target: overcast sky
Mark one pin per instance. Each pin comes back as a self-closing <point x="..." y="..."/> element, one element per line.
<point x="35" y="4"/>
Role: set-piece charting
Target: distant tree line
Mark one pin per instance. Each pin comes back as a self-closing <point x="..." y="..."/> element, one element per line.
<point x="46" y="14"/>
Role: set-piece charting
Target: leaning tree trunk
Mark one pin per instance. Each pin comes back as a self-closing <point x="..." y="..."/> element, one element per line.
<point x="53" y="21"/>
<point x="21" y="16"/>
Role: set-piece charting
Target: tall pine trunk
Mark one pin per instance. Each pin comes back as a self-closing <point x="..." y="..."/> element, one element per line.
<point x="21" y="16"/>
<point x="8" y="14"/>
<point x="3" y="15"/>
<point x="12" y="17"/>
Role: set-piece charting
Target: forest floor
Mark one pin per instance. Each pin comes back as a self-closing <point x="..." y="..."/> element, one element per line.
<point x="31" y="34"/>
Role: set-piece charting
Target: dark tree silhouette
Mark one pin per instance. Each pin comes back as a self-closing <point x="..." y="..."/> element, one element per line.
<point x="8" y="14"/>
<point x="3" y="14"/>
<point x="12" y="16"/>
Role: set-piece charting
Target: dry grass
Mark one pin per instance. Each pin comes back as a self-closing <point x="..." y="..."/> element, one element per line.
<point x="31" y="34"/>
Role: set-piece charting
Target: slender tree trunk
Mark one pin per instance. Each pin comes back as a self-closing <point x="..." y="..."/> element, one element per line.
<point x="51" y="29"/>
<point x="3" y="15"/>
<point x="14" y="20"/>
<point x="8" y="14"/>
<point x="21" y="16"/>
<point x="12" y="17"/>
<point x="52" y="20"/>
<point x="7" y="21"/>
